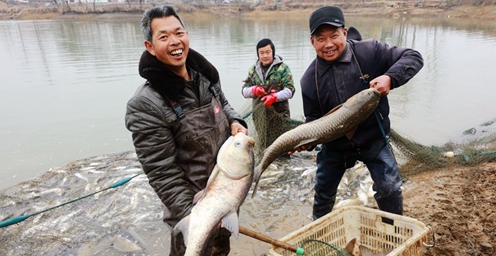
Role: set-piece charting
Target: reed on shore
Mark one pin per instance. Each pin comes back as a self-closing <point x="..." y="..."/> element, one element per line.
<point x="481" y="9"/>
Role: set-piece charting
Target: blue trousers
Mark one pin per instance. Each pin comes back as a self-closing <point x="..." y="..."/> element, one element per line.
<point x="377" y="156"/>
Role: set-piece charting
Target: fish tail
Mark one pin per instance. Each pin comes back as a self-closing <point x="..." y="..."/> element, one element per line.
<point x="254" y="189"/>
<point x="256" y="178"/>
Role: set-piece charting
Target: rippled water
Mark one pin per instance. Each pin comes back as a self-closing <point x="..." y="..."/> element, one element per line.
<point x="126" y="220"/>
<point x="64" y="83"/>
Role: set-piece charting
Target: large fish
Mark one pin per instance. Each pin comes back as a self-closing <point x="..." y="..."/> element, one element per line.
<point x="331" y="126"/>
<point x="226" y="190"/>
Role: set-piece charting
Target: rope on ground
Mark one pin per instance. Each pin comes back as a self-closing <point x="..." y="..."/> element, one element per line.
<point x="18" y="219"/>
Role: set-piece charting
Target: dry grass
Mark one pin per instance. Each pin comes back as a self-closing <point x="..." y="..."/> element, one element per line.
<point x="485" y="10"/>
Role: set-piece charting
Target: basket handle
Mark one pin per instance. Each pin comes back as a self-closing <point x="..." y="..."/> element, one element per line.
<point x="433" y="239"/>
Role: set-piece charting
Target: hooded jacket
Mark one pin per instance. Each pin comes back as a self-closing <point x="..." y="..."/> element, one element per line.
<point x="277" y="78"/>
<point x="176" y="145"/>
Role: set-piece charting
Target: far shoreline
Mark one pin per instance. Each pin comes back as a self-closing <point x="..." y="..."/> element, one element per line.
<point x="427" y="9"/>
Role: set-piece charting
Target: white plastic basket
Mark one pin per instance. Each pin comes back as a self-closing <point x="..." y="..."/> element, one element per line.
<point x="376" y="232"/>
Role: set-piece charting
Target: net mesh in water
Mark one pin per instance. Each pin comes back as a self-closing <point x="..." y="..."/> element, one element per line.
<point x="266" y="125"/>
<point x="414" y="158"/>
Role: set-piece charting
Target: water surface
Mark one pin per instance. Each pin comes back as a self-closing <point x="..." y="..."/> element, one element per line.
<point x="64" y="84"/>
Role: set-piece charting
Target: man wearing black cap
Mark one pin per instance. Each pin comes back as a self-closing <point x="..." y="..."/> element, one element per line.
<point x="344" y="66"/>
<point x="269" y="81"/>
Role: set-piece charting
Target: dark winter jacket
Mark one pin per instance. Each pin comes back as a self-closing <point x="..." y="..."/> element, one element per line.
<point x="177" y="149"/>
<point x="341" y="79"/>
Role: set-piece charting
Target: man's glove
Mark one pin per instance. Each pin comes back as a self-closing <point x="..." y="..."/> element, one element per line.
<point x="258" y="91"/>
<point x="269" y="99"/>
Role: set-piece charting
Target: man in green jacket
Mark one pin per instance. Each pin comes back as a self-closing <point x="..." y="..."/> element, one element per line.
<point x="269" y="82"/>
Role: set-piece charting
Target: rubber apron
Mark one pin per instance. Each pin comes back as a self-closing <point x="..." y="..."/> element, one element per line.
<point x="198" y="136"/>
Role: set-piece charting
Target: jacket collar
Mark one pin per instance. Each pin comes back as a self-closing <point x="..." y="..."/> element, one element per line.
<point x="258" y="67"/>
<point x="166" y="82"/>
<point x="323" y="66"/>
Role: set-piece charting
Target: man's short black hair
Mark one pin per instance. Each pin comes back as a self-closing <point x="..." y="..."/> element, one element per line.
<point x="156" y="12"/>
<point x="264" y="42"/>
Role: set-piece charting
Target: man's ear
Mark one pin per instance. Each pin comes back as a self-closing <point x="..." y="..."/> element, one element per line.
<point x="345" y="31"/>
<point x="149" y="47"/>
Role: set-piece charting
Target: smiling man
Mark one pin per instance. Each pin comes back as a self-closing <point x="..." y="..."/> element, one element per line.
<point x="344" y="66"/>
<point x="179" y="118"/>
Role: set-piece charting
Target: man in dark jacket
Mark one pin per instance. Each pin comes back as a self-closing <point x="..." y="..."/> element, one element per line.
<point x="341" y="69"/>
<point x="179" y="118"/>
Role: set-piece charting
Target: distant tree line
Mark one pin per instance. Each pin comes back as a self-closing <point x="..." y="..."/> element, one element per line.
<point x="136" y="6"/>
<point x="261" y="2"/>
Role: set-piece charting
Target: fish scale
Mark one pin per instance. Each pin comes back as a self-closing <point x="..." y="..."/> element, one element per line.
<point x="329" y="127"/>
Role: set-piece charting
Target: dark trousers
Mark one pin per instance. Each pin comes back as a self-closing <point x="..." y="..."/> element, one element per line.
<point x="331" y="166"/>
<point x="218" y="244"/>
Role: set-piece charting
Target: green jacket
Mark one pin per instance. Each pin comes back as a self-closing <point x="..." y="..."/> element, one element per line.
<point x="277" y="78"/>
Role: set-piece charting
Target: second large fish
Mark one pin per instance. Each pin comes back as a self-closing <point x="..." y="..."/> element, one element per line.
<point x="333" y="125"/>
<point x="226" y="190"/>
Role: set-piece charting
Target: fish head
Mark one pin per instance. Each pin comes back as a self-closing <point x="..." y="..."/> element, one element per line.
<point x="366" y="100"/>
<point x="236" y="158"/>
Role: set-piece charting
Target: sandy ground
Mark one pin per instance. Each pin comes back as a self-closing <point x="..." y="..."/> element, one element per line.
<point x="460" y="205"/>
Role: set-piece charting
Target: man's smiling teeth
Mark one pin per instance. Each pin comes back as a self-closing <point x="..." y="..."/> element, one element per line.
<point x="176" y="52"/>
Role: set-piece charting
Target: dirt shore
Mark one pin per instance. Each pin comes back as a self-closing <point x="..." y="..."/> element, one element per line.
<point x="282" y="11"/>
<point x="460" y="205"/>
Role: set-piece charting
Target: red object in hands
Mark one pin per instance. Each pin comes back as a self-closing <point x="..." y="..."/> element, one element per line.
<point x="269" y="100"/>
<point x="258" y="91"/>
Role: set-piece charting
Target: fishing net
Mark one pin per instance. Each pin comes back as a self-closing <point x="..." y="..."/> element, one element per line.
<point x="478" y="144"/>
<point x="265" y="124"/>
<point x="476" y="147"/>
<point x="314" y="247"/>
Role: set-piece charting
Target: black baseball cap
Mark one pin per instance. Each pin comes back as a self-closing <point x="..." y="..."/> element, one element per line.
<point x="330" y="15"/>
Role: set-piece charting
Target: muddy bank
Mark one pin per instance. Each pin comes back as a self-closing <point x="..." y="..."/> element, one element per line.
<point x="282" y="11"/>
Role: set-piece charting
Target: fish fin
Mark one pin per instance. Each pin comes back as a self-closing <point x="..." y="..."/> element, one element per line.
<point x="212" y="176"/>
<point x="200" y="195"/>
<point x="350" y="246"/>
<point x="350" y="133"/>
<point x="231" y="223"/>
<point x="310" y="141"/>
<point x="334" y="109"/>
<point x="183" y="226"/>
